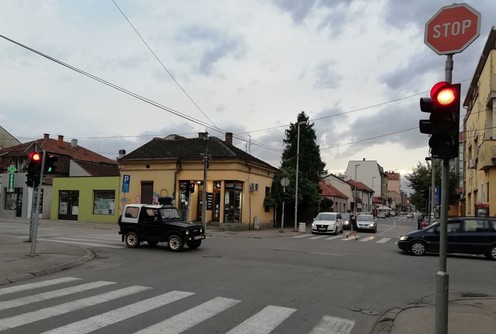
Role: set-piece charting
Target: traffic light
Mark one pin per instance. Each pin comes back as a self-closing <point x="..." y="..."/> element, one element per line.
<point x="444" y="121"/>
<point x="34" y="169"/>
<point x="50" y="164"/>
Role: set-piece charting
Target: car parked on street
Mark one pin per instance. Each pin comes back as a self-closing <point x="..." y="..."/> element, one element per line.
<point x="467" y="235"/>
<point x="367" y="222"/>
<point x="327" y="222"/>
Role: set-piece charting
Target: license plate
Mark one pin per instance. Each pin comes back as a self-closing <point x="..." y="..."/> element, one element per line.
<point x="197" y="237"/>
<point x="322" y="229"/>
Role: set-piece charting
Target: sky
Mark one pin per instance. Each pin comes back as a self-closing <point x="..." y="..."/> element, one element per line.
<point x="155" y="67"/>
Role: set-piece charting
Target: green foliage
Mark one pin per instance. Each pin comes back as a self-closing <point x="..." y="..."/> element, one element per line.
<point x="311" y="168"/>
<point x="421" y="179"/>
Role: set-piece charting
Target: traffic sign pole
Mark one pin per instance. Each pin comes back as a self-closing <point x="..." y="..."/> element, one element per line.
<point x="451" y="30"/>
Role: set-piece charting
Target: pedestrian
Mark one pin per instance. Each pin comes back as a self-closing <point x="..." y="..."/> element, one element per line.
<point x="353" y="225"/>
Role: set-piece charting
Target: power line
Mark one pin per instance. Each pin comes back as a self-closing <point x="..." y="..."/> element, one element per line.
<point x="164" y="67"/>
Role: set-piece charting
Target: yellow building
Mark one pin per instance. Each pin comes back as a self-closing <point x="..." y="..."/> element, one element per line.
<point x="480" y="134"/>
<point x="236" y="182"/>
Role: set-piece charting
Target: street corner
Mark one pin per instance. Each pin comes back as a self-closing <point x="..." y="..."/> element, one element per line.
<point x="17" y="264"/>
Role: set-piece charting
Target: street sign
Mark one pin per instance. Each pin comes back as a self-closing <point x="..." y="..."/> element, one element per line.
<point x="284" y="182"/>
<point x="452" y="29"/>
<point x="125" y="183"/>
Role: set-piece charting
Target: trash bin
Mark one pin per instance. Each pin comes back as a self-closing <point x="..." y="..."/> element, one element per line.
<point x="302" y="227"/>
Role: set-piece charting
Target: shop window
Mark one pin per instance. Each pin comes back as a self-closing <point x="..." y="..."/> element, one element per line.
<point x="10" y="200"/>
<point x="104" y="202"/>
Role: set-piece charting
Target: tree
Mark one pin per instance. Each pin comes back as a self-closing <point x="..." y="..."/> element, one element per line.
<point x="421" y="180"/>
<point x="310" y="170"/>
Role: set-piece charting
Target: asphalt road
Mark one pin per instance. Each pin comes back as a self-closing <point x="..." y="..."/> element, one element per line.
<point x="305" y="281"/>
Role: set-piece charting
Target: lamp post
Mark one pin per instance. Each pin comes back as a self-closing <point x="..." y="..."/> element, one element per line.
<point x="373" y="191"/>
<point x="355" y="199"/>
<point x="297" y="170"/>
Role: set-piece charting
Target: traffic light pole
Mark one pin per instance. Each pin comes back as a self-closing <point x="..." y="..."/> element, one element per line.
<point x="442" y="276"/>
<point x="37" y="207"/>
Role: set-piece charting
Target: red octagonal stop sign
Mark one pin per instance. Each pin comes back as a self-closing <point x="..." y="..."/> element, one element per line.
<point x="452" y="29"/>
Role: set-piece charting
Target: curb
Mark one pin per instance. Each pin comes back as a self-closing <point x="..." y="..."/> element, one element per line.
<point x="89" y="255"/>
<point x="384" y="323"/>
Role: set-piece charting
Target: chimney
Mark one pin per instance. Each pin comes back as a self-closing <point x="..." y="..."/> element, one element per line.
<point x="46" y="135"/>
<point x="229" y="137"/>
<point x="60" y="141"/>
<point x="202" y="135"/>
<point x="122" y="153"/>
<point x="74" y="143"/>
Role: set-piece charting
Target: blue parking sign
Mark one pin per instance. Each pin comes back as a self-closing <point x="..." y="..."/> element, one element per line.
<point x="125" y="183"/>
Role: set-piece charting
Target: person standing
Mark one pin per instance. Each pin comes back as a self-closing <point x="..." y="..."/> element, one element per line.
<point x="354" y="226"/>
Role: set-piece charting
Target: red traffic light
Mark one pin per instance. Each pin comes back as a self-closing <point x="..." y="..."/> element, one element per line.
<point x="35" y="156"/>
<point x="444" y="94"/>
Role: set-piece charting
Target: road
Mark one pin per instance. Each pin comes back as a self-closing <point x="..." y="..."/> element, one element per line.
<point x="280" y="284"/>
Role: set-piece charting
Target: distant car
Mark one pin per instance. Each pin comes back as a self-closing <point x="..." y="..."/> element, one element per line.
<point x="367" y="222"/>
<point x="381" y="214"/>
<point x="345" y="218"/>
<point x="327" y="222"/>
<point x="468" y="235"/>
<point x="409" y="215"/>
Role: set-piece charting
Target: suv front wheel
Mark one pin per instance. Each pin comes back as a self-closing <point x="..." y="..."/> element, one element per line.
<point x="175" y="243"/>
<point x="491" y="253"/>
<point x="132" y="240"/>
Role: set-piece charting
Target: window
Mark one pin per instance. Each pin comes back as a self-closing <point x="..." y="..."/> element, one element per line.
<point x="131" y="212"/>
<point x="104" y="202"/>
<point x="476" y="225"/>
<point x="10" y="200"/>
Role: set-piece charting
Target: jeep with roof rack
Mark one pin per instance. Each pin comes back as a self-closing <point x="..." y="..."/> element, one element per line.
<point x="158" y="223"/>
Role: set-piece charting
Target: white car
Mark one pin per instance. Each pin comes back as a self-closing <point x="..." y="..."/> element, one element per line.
<point x="328" y="222"/>
<point x="367" y="222"/>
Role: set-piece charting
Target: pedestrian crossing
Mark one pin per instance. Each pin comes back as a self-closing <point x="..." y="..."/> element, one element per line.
<point x="361" y="238"/>
<point x="90" y="240"/>
<point x="45" y="309"/>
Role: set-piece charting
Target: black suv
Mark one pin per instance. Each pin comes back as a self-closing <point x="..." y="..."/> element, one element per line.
<point x="468" y="235"/>
<point x="158" y="223"/>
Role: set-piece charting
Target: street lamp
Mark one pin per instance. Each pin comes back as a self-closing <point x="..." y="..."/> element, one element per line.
<point x="297" y="168"/>
<point x="355" y="199"/>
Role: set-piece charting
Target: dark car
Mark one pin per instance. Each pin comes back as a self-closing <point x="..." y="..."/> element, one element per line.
<point x="158" y="223"/>
<point x="467" y="235"/>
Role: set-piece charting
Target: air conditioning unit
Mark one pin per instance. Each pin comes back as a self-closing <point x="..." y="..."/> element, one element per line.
<point x="253" y="186"/>
<point x="471" y="164"/>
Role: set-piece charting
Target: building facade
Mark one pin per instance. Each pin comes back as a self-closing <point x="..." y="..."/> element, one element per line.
<point x="235" y="182"/>
<point x="479" y="124"/>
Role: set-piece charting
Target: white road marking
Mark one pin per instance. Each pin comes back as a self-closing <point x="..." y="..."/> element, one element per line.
<point x="264" y="321"/>
<point x="333" y="325"/>
<point x="317" y="237"/>
<point x="383" y="240"/>
<point x="52" y="294"/>
<point x="190" y="318"/>
<point x="31" y="286"/>
<point x="80" y="243"/>
<point x="334" y="237"/>
<point x="302" y="236"/>
<point x="45" y="313"/>
<point x="120" y="314"/>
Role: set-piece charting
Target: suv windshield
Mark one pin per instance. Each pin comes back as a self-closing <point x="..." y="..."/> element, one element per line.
<point x="170" y="213"/>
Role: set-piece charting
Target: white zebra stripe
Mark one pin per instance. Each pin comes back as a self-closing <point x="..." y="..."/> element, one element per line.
<point x="383" y="240"/>
<point x="120" y="314"/>
<point x="52" y="294"/>
<point x="80" y="243"/>
<point x="45" y="313"/>
<point x="264" y="321"/>
<point x="333" y="325"/>
<point x="192" y="317"/>
<point x="31" y="286"/>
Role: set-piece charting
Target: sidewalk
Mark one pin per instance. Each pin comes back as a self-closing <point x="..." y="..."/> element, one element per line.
<point x="466" y="315"/>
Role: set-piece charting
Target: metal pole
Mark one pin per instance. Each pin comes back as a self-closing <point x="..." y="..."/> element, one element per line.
<point x="37" y="206"/>
<point x="297" y="169"/>
<point x="282" y="218"/>
<point x="204" y="191"/>
<point x="355" y="208"/>
<point x="442" y="277"/>
<point x="433" y="188"/>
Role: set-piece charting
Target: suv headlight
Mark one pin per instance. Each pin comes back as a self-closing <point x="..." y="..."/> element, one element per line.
<point x="403" y="238"/>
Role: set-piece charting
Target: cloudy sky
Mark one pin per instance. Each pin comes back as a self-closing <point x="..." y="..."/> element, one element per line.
<point x="357" y="68"/>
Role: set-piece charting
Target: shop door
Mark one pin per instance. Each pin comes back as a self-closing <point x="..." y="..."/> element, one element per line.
<point x="68" y="205"/>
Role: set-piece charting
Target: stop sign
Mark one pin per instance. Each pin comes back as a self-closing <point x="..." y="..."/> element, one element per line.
<point x="452" y="29"/>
